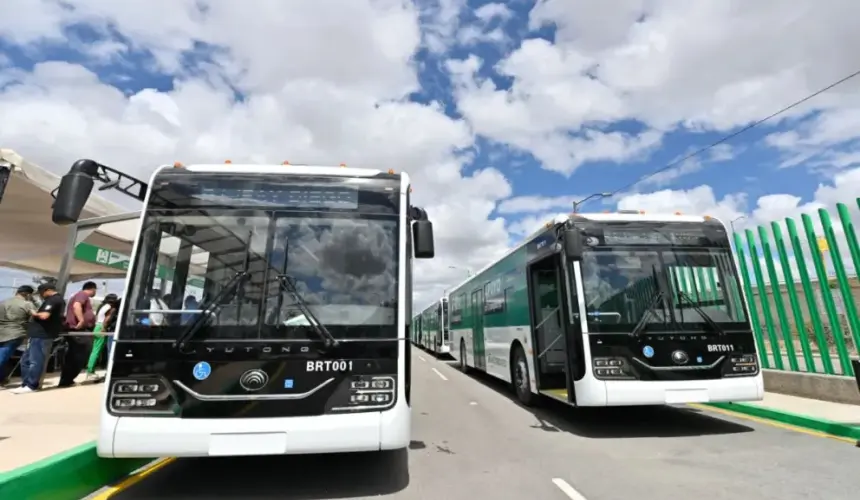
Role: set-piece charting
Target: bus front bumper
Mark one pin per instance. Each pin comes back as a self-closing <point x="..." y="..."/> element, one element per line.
<point x="132" y="437"/>
<point x="635" y="393"/>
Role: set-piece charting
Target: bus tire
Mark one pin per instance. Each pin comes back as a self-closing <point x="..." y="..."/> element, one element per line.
<point x="464" y="366"/>
<point x="520" y="376"/>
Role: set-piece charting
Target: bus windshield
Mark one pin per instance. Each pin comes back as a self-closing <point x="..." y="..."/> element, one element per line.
<point x="336" y="243"/>
<point x="621" y="283"/>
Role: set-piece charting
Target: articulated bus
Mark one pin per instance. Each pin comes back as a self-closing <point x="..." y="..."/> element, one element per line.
<point x="266" y="310"/>
<point x="615" y="309"/>
<point x="435" y="336"/>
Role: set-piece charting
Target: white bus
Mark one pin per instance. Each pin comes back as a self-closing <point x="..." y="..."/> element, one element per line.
<point x="612" y="310"/>
<point x="434" y="334"/>
<point x="299" y="343"/>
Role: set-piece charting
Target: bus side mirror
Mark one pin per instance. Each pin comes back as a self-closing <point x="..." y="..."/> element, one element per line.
<point x="573" y="244"/>
<point x="75" y="188"/>
<point x="422" y="239"/>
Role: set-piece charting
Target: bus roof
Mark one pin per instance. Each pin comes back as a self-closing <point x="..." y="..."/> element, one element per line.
<point x="250" y="168"/>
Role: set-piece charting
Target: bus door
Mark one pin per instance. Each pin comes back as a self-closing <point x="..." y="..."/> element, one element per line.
<point x="550" y="327"/>
<point x="440" y="328"/>
<point x="419" y="330"/>
<point x="576" y="362"/>
<point x="478" y="329"/>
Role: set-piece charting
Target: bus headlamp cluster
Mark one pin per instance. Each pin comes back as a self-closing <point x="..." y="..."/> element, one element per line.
<point x="368" y="392"/>
<point x="143" y="395"/>
<point x="744" y="364"/>
<point x="611" y="368"/>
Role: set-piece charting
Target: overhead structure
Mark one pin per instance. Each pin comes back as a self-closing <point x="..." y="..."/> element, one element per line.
<point x="31" y="242"/>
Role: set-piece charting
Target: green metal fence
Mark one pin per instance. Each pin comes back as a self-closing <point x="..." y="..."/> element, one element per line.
<point x="801" y="322"/>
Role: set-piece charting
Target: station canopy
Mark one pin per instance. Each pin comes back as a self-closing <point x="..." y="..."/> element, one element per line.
<point x="30" y="241"/>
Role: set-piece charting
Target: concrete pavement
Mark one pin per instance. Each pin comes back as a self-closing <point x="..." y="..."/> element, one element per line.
<point x="471" y="440"/>
<point x="38" y="425"/>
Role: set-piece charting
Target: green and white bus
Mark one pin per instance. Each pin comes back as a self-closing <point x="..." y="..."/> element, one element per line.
<point x="432" y="328"/>
<point x="612" y="310"/>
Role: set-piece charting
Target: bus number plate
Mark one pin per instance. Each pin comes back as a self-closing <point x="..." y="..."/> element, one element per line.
<point x="330" y="365"/>
<point x="721" y="347"/>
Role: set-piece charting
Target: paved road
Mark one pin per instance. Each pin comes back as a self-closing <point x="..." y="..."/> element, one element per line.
<point x="471" y="441"/>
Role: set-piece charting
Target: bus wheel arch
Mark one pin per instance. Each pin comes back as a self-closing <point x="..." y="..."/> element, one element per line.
<point x="520" y="374"/>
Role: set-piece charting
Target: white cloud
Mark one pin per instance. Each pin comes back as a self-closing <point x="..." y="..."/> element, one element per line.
<point x="696" y="201"/>
<point x="766" y="209"/>
<point x="491" y="11"/>
<point x="473" y="34"/>
<point x="707" y="65"/>
<point x="441" y="20"/>
<point x="328" y="82"/>
<point x="323" y="82"/>
<point x="526" y="204"/>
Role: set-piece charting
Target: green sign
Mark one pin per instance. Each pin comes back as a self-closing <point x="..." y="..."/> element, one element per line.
<point x="104" y="257"/>
<point x="97" y="255"/>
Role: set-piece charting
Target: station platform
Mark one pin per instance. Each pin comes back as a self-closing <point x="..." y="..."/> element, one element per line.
<point x="845" y="414"/>
<point x="837" y="420"/>
<point x="39" y="425"/>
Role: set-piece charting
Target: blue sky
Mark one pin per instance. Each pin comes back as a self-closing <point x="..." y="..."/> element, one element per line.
<point x="751" y="158"/>
<point x="749" y="166"/>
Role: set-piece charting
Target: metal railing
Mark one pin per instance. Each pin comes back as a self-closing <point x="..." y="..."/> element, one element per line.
<point x="823" y="324"/>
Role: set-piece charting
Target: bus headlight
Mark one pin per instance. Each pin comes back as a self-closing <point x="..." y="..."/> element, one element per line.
<point x="745" y="364"/>
<point x="370" y="392"/>
<point x="144" y="395"/>
<point x="606" y="368"/>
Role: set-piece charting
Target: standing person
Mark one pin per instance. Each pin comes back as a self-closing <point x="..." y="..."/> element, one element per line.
<point x="105" y="309"/>
<point x="79" y="318"/>
<point x="191" y="304"/>
<point x="46" y="326"/>
<point x="15" y="314"/>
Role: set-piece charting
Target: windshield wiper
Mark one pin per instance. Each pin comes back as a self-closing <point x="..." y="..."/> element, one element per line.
<point x="705" y="316"/>
<point x="287" y="285"/>
<point x="637" y="330"/>
<point x="208" y="308"/>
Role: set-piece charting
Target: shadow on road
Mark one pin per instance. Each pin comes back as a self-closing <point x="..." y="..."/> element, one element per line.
<point x="295" y="477"/>
<point x="615" y="422"/>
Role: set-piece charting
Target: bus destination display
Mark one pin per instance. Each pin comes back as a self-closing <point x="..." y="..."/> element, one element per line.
<point x="653" y="237"/>
<point x="282" y="196"/>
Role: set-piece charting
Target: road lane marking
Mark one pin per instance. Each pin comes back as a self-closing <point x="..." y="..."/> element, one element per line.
<point x="437" y="372"/>
<point x="771" y="423"/>
<point x="133" y="479"/>
<point x="567" y="489"/>
<point x="422" y="359"/>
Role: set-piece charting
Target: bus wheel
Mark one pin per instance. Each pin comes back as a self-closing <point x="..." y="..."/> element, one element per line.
<point x="520" y="377"/>
<point x="464" y="367"/>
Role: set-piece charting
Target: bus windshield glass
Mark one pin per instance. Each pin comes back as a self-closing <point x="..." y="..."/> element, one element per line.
<point x="340" y="259"/>
<point x="696" y="273"/>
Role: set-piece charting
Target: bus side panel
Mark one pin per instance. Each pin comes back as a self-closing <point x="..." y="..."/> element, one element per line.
<point x="506" y="315"/>
<point x="461" y="326"/>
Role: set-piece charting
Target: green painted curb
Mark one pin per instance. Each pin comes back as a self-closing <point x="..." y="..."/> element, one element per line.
<point x="806" y="422"/>
<point x="70" y="475"/>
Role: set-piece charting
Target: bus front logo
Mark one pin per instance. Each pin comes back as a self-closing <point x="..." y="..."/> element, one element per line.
<point x="648" y="351"/>
<point x="253" y="380"/>
<point x="680" y="357"/>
